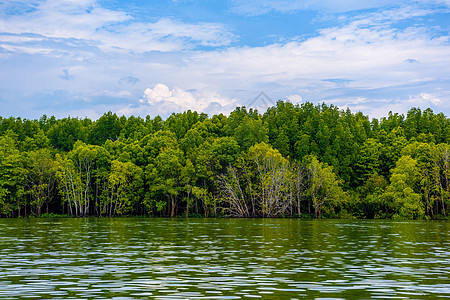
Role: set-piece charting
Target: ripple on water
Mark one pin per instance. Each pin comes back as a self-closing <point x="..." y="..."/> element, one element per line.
<point x="223" y="259"/>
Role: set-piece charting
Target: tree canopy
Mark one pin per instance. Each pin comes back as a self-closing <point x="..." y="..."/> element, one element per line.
<point x="291" y="161"/>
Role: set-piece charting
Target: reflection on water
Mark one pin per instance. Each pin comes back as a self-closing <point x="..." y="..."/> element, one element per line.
<point x="223" y="258"/>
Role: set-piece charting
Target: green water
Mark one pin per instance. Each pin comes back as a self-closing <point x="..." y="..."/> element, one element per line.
<point x="223" y="259"/>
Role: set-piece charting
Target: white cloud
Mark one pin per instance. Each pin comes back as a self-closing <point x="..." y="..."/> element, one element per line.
<point x="176" y="97"/>
<point x="260" y="7"/>
<point x="109" y="30"/>
<point x="424" y="99"/>
<point x="102" y="53"/>
<point x="208" y="34"/>
<point x="363" y="55"/>
<point x="295" y="98"/>
<point x="364" y="58"/>
<point x="378" y="108"/>
<point x="162" y="100"/>
<point x="62" y="19"/>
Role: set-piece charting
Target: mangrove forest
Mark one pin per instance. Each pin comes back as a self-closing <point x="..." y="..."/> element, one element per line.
<point x="295" y="161"/>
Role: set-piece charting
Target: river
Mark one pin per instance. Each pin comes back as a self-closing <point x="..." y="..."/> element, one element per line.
<point x="223" y="258"/>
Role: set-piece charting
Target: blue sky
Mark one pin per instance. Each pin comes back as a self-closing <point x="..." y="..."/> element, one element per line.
<point x="135" y="57"/>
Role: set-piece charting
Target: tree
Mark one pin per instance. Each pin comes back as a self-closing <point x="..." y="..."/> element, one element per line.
<point x="134" y="128"/>
<point x="153" y="144"/>
<point x="300" y="179"/>
<point x="368" y="202"/>
<point x="282" y="143"/>
<point x="368" y="161"/>
<point x="65" y="132"/>
<point x="225" y="151"/>
<point x="233" y="194"/>
<point x="291" y="160"/>
<point x="107" y="127"/>
<point x="302" y="146"/>
<point x="12" y="175"/>
<point x="401" y="195"/>
<point x="283" y="126"/>
<point x="324" y="189"/>
<point x="191" y="141"/>
<point x="71" y="186"/>
<point x="273" y="174"/>
<point x="163" y="179"/>
<point x="180" y="123"/>
<point x="125" y="188"/>
<point x="250" y="132"/>
<point x="259" y="184"/>
<point x="188" y="178"/>
<point x="393" y="142"/>
<point x="443" y="164"/>
<point x="41" y="178"/>
<point x="76" y="173"/>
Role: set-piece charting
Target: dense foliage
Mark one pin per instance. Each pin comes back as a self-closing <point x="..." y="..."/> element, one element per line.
<point x="293" y="161"/>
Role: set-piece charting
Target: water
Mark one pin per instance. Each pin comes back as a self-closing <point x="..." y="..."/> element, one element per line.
<point x="223" y="259"/>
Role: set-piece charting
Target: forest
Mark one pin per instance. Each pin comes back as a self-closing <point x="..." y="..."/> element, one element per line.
<point x="295" y="161"/>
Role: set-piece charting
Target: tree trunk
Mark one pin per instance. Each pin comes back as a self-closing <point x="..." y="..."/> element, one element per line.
<point x="172" y="212"/>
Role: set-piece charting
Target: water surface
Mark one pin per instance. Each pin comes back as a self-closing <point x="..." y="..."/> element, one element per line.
<point x="223" y="258"/>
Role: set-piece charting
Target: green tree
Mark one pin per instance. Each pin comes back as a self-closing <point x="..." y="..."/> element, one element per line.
<point x="125" y="188"/>
<point x="76" y="174"/>
<point x="187" y="180"/>
<point x="273" y="175"/>
<point x="134" y="128"/>
<point x="164" y="180"/>
<point x="41" y="179"/>
<point x="12" y="175"/>
<point x="368" y="161"/>
<point x="367" y="201"/>
<point x="393" y="142"/>
<point x="107" y="127"/>
<point x="401" y="195"/>
<point x="250" y="132"/>
<point x="65" y="132"/>
<point x="324" y="190"/>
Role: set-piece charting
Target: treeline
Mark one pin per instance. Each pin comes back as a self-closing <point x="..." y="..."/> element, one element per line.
<point x="292" y="161"/>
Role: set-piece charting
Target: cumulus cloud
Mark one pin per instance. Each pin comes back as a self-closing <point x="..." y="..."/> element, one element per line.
<point x="162" y="93"/>
<point x="161" y="100"/>
<point x="295" y="98"/>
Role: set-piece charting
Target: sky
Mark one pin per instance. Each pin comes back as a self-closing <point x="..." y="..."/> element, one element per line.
<point x="82" y="58"/>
